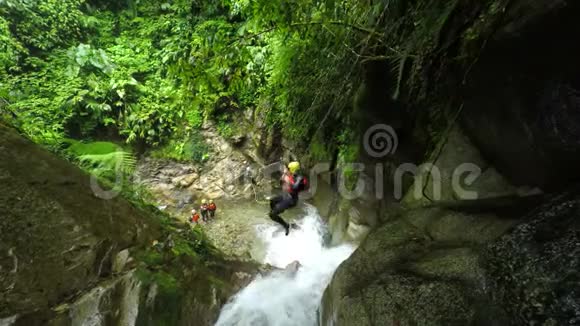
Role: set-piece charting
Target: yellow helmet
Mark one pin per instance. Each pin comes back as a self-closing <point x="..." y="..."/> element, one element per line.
<point x="293" y="167"/>
<point x="204" y="201"/>
<point x="211" y="201"/>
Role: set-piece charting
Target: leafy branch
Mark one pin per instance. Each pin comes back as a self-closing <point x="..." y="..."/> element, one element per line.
<point x="361" y="29"/>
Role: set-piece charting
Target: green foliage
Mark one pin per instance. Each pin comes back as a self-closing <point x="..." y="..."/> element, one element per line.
<point x="193" y="243"/>
<point x="225" y="129"/>
<point x="78" y="149"/>
<point x="220" y="74"/>
<point x="313" y="59"/>
<point x="103" y="159"/>
<point x="10" y="50"/>
<point x="151" y="72"/>
<point x="44" y="24"/>
<point x="85" y="89"/>
<point x="196" y="148"/>
<point x="192" y="148"/>
<point x="90" y="60"/>
<point x="167" y="283"/>
<point x="107" y="164"/>
<point x="150" y="258"/>
<point x="348" y="154"/>
<point x="170" y="293"/>
<point x="319" y="150"/>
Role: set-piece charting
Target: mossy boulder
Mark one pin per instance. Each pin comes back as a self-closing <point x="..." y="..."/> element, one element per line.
<point x="57" y="237"/>
<point x="435" y="266"/>
<point x="68" y="257"/>
<point x="400" y="276"/>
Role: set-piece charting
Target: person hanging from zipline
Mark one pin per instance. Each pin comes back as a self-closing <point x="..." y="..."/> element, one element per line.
<point x="293" y="182"/>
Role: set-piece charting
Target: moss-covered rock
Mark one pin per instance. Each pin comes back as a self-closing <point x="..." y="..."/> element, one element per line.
<point x="405" y="300"/>
<point x="68" y="257"/>
<point x="401" y="276"/>
<point x="435" y="266"/>
<point x="459" y="227"/>
<point x="57" y="236"/>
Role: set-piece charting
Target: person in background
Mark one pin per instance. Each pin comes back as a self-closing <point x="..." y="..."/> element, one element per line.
<point x="212" y="208"/>
<point x="204" y="211"/>
<point x="194" y="216"/>
<point x="157" y="245"/>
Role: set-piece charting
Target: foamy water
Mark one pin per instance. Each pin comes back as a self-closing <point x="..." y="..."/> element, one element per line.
<point x="284" y="298"/>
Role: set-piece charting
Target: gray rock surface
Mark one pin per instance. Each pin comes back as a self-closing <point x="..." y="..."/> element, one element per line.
<point x="534" y="271"/>
<point x="57" y="236"/>
<point x="69" y="258"/>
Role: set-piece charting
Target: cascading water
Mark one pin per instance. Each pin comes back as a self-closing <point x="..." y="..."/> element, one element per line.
<point x="288" y="297"/>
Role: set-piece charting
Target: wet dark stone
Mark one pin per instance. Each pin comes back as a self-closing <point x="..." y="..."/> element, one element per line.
<point x="534" y="271"/>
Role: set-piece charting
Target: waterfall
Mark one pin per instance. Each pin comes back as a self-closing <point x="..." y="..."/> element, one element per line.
<point x="288" y="297"/>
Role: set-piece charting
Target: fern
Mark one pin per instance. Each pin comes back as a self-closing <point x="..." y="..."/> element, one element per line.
<point x="78" y="148"/>
<point x="104" y="165"/>
<point x="398" y="67"/>
<point x="102" y="159"/>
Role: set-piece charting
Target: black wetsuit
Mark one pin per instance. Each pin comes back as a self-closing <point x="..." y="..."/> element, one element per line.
<point x="287" y="200"/>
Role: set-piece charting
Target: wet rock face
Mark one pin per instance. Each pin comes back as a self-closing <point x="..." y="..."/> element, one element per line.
<point x="521" y="106"/>
<point x="113" y="302"/>
<point x="440" y="267"/>
<point x="534" y="271"/>
<point x="403" y="275"/>
<point x="559" y="117"/>
<point x="540" y="123"/>
<point x="56" y="236"/>
<point x="443" y="267"/>
<point x="70" y="258"/>
<point x="180" y="185"/>
<point x="228" y="173"/>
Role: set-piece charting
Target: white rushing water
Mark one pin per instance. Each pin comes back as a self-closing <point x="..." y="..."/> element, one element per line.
<point x="284" y="298"/>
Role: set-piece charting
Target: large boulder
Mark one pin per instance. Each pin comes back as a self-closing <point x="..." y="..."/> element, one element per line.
<point x="58" y="237"/>
<point x="450" y="264"/>
<point x="410" y="273"/>
<point x="534" y="271"/>
<point x="436" y="266"/>
<point x="522" y="101"/>
<point x="68" y="257"/>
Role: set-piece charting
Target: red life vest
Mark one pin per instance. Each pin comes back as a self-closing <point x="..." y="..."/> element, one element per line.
<point x="289" y="183"/>
<point x="195" y="218"/>
<point x="211" y="207"/>
<point x="305" y="184"/>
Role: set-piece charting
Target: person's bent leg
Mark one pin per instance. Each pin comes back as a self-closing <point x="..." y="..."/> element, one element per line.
<point x="274" y="201"/>
<point x="280" y="207"/>
<point x="276" y="218"/>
